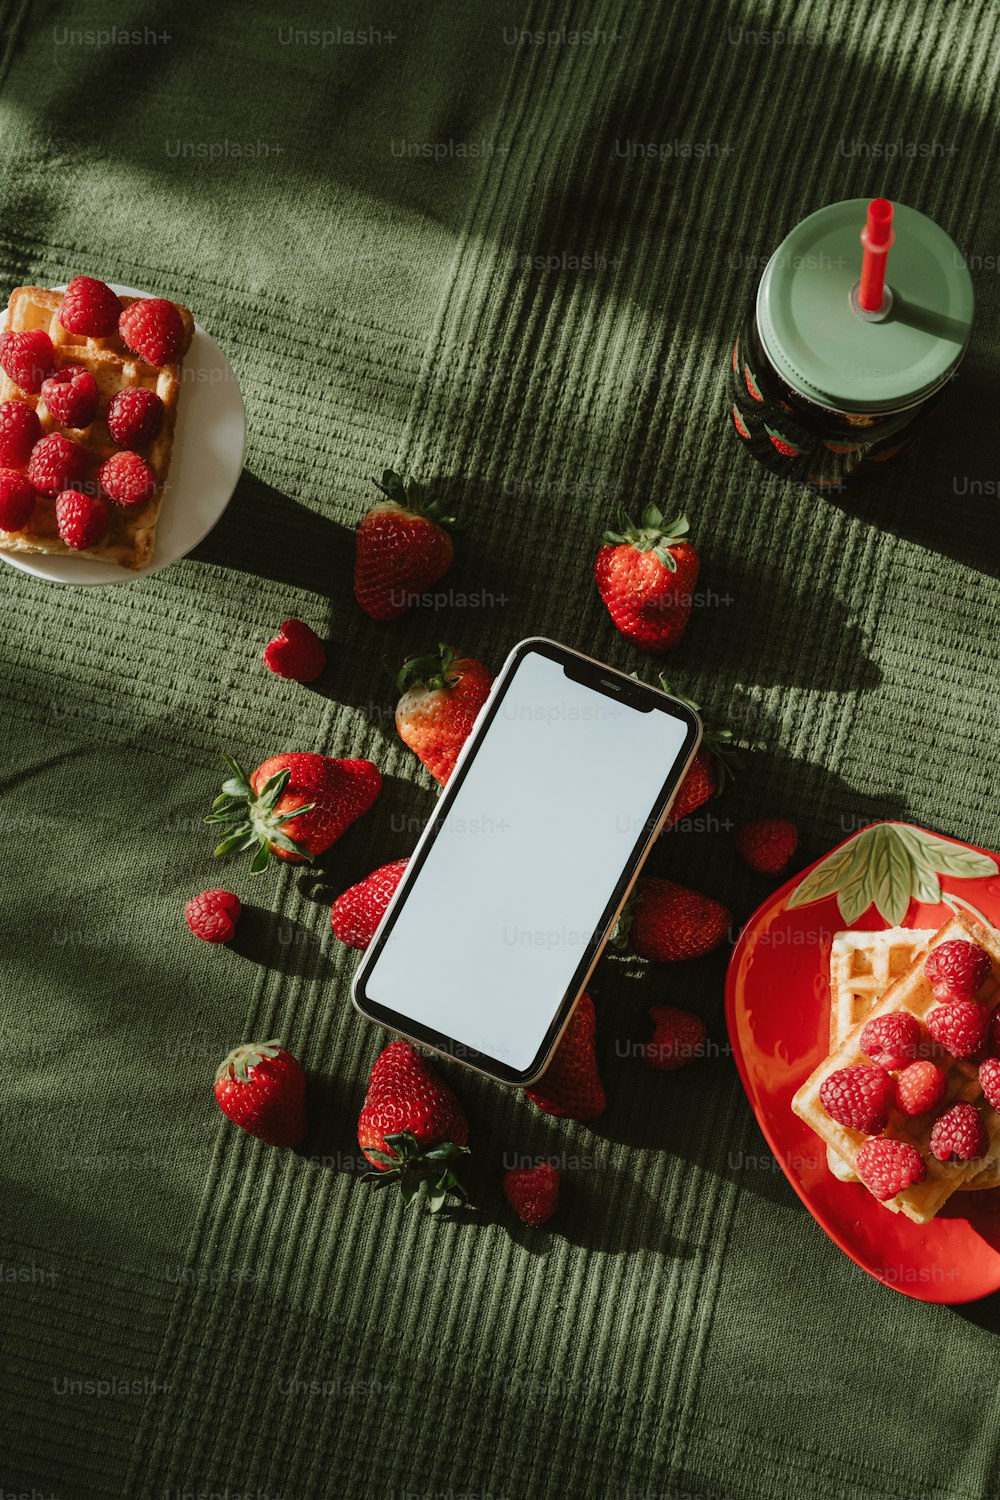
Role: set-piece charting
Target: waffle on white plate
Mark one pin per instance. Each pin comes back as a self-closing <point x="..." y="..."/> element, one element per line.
<point x="132" y="535"/>
<point x="911" y="991"/>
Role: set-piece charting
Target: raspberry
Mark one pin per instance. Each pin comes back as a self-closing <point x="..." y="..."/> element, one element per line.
<point x="679" y="1038"/>
<point x="213" y="915"/>
<point x="135" y="417"/>
<point x="71" y="396"/>
<point x="153" y="329"/>
<point x="919" y="1088"/>
<point x="858" y="1097"/>
<point x="82" y="520"/>
<point x="296" y="652"/>
<point x="989" y="1078"/>
<point x="56" y="464"/>
<point x="961" y="1026"/>
<point x="90" y="307"/>
<point x="27" y="358"/>
<point x="17" y="500"/>
<point x="533" y="1192"/>
<point x="957" y="969"/>
<point x="886" y="1167"/>
<point x="891" y="1040"/>
<point x="767" y="845"/>
<point x="959" y="1135"/>
<point x="127" y="478"/>
<point x="20" y="430"/>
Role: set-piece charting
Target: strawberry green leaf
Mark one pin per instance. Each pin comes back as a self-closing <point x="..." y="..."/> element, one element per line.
<point x="272" y="789"/>
<point x="230" y="844"/>
<point x="278" y="840"/>
<point x="296" y="812"/>
<point x="260" y="861"/>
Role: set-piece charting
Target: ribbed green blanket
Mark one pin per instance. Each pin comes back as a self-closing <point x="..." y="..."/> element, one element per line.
<point x="504" y="246"/>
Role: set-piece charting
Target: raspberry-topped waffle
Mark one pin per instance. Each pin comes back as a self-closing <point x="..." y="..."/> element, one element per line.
<point x="862" y="966"/>
<point x="84" y="505"/>
<point x="896" y="1148"/>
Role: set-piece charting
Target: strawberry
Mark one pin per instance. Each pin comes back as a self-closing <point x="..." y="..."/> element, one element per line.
<point x="296" y="652"/>
<point x="645" y="575"/>
<point x="401" y="548"/>
<point x="715" y="762"/>
<point x="293" y="806"/>
<point x="213" y="915"/>
<point x="412" y="1126"/>
<point x="441" y="696"/>
<point x="533" y="1192"/>
<point x="888" y="1167"/>
<point x="858" y="1097"/>
<point x="751" y="384"/>
<point x="989" y="1078"/>
<point x="20" y="430"/>
<point x="957" y="969"/>
<point x="356" y="914"/>
<point x="919" y="1088"/>
<point x="82" y="520"/>
<point x="665" y="922"/>
<point x="961" y="1026"/>
<point x="262" y="1089"/>
<point x="679" y="1038"/>
<point x="89" y="307"/>
<point x="154" y="329"/>
<point x="71" y="396"/>
<point x="17" y="500"/>
<point x="891" y="1040"/>
<point x="571" y="1084"/>
<point x="739" y="424"/>
<point x="767" y="845"/>
<point x="27" y="358"/>
<point x="959" y="1134"/>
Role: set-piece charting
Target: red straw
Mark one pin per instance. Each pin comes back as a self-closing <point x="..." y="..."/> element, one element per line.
<point x="876" y="237"/>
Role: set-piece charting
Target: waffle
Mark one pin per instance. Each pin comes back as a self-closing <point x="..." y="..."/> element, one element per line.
<point x="132" y="535"/>
<point x="862" y="967"/>
<point x="911" y="991"/>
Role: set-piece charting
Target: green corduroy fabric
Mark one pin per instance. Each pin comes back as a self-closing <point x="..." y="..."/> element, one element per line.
<point x="479" y="245"/>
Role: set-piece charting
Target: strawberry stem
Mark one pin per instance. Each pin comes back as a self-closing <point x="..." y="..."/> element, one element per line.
<point x="432" y="670"/>
<point x="243" y="1059"/>
<point x="252" y="818"/>
<point x="652" y="536"/>
<point x="407" y="493"/>
<point x="418" y="1171"/>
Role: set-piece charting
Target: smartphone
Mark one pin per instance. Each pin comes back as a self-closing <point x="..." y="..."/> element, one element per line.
<point x="526" y="862"/>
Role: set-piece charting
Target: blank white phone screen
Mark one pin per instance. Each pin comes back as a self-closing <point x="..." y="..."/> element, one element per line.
<point x="511" y="891"/>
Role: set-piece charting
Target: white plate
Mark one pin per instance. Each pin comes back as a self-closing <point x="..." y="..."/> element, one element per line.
<point x="205" y="465"/>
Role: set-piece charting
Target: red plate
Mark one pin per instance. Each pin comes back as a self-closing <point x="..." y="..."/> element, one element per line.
<point x="777" y="1012"/>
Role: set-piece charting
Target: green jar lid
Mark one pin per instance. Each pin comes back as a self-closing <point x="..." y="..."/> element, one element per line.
<point x="834" y="356"/>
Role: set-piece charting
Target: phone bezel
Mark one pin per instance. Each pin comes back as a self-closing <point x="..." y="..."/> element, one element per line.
<point x="611" y="684"/>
